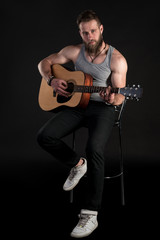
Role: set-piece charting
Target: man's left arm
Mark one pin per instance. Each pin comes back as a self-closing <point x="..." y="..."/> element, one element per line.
<point x="118" y="79"/>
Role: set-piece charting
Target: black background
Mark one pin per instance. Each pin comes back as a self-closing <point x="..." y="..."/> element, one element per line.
<point x="31" y="181"/>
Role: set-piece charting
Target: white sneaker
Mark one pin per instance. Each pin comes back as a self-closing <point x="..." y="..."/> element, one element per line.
<point x="75" y="175"/>
<point x="86" y="225"/>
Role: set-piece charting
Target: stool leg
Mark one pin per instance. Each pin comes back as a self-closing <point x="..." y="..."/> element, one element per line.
<point x="71" y="196"/>
<point x="73" y="147"/>
<point x="121" y="166"/>
<point x="122" y="190"/>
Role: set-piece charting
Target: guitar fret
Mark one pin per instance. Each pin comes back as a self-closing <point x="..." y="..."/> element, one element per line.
<point x="88" y="89"/>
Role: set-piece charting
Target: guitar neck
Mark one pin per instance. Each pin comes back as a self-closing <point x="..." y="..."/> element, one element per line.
<point x="92" y="89"/>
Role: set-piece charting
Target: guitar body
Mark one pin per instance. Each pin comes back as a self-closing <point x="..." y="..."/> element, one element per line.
<point x="48" y="101"/>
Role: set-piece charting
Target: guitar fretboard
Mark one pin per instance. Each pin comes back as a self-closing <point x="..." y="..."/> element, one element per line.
<point x="92" y="89"/>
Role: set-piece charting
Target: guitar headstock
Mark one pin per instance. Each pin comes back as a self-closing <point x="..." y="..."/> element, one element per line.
<point x="132" y="92"/>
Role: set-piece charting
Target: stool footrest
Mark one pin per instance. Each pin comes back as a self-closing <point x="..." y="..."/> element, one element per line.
<point x="114" y="176"/>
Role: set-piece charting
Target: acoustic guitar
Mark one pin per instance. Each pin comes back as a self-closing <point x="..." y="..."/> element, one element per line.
<point x="80" y="87"/>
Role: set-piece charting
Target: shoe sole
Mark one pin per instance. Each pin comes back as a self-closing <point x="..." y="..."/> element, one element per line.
<point x="73" y="186"/>
<point x="85" y="234"/>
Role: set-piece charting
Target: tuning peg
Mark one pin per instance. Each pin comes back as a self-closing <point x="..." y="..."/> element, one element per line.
<point x="137" y="99"/>
<point x="138" y="86"/>
<point x="134" y="85"/>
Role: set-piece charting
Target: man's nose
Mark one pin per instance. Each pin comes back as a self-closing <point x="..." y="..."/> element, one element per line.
<point x="90" y="36"/>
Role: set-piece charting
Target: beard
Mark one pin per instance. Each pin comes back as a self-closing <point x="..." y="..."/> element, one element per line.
<point x="94" y="49"/>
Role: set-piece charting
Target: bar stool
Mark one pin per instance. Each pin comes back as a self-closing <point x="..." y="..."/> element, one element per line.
<point x="118" y="123"/>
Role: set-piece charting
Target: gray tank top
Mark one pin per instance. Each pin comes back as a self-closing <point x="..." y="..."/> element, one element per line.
<point x="99" y="72"/>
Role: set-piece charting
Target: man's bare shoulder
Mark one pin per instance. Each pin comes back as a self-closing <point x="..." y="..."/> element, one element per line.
<point x="71" y="52"/>
<point x="118" y="60"/>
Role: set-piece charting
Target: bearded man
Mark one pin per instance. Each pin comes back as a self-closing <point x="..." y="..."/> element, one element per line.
<point x="100" y="60"/>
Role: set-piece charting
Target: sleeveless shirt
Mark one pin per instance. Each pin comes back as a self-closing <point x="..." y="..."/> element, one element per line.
<point x="99" y="72"/>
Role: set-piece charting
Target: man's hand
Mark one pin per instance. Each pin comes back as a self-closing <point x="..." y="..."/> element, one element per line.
<point x="60" y="86"/>
<point x="107" y="95"/>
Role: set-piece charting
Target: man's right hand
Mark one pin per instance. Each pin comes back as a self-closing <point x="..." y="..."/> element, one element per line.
<point x="60" y="86"/>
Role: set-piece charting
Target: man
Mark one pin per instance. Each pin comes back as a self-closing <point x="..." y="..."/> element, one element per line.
<point x="100" y="60"/>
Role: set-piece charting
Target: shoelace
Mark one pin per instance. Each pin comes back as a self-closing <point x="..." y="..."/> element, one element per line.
<point x="83" y="220"/>
<point x="72" y="173"/>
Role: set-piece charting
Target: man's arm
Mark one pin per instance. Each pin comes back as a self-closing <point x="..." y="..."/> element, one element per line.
<point x="67" y="54"/>
<point x="118" y="78"/>
<point x="62" y="57"/>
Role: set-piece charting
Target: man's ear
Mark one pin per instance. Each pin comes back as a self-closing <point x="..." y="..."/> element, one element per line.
<point x="80" y="33"/>
<point x="101" y="28"/>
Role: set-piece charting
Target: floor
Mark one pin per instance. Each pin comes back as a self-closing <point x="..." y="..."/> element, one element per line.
<point x="33" y="203"/>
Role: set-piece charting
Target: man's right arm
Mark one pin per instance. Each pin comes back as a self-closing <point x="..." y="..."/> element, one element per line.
<point x="67" y="54"/>
<point x="45" y="65"/>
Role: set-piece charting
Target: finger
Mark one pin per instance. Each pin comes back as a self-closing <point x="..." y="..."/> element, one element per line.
<point x="63" y="84"/>
<point x="111" y="96"/>
<point x="101" y="93"/>
<point x="107" y="91"/>
<point x="62" y="92"/>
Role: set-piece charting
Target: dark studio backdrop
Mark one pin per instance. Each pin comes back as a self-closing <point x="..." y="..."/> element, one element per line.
<point x="31" y="31"/>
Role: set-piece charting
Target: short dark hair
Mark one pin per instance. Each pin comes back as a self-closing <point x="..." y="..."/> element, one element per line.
<point x="87" y="16"/>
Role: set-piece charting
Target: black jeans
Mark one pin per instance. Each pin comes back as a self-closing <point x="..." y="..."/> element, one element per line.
<point x="100" y="119"/>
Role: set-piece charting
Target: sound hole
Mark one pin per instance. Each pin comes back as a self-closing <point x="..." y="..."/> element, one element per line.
<point x="62" y="99"/>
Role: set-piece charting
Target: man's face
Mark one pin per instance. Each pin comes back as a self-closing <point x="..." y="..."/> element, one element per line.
<point x="91" y="35"/>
